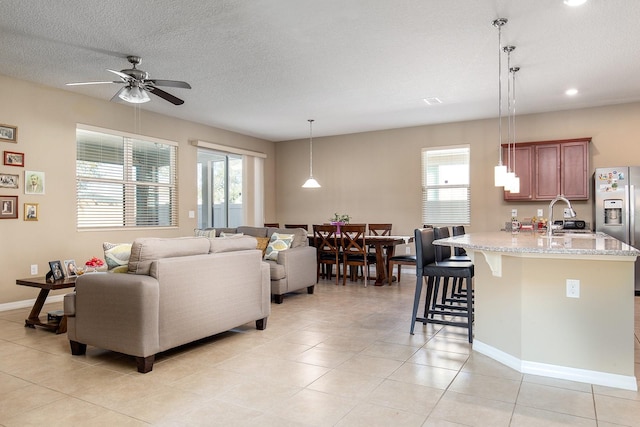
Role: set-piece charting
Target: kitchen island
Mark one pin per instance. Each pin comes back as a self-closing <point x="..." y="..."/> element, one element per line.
<point x="525" y="319"/>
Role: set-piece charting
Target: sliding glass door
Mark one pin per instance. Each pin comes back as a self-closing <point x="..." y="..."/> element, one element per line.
<point x="220" y="202"/>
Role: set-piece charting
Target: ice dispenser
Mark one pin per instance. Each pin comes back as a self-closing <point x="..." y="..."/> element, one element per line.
<point x="613" y="211"/>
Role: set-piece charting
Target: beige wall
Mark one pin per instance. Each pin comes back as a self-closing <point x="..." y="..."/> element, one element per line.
<point x="375" y="176"/>
<point x="46" y="120"/>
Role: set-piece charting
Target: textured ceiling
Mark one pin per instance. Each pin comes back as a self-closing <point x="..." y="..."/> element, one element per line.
<point x="263" y="67"/>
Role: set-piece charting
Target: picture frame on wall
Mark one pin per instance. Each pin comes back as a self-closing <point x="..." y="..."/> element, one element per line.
<point x="8" y="180"/>
<point x="8" y="207"/>
<point x="33" y="182"/>
<point x="12" y="158"/>
<point x="8" y="133"/>
<point x="31" y="212"/>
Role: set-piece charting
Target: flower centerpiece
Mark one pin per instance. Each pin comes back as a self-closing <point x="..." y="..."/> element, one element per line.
<point x="94" y="263"/>
<point x="339" y="219"/>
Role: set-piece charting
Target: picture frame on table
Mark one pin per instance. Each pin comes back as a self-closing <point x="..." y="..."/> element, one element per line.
<point x="8" y="133"/>
<point x="13" y="158"/>
<point x="33" y="182"/>
<point x="31" y="212"/>
<point x="8" y="180"/>
<point x="70" y="267"/>
<point x="56" y="272"/>
<point x="8" y="207"/>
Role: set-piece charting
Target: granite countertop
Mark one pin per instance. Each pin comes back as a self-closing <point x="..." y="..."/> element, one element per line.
<point x="532" y="242"/>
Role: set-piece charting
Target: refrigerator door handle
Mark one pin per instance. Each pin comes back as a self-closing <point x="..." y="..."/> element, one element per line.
<point x="632" y="215"/>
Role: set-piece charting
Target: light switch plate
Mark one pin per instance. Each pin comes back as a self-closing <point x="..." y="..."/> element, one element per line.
<point x="34" y="269"/>
<point x="573" y="288"/>
<point x="514" y="213"/>
<point x="192" y="214"/>
<point x="540" y="213"/>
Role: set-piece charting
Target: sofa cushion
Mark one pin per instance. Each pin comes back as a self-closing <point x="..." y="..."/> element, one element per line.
<point x="117" y="256"/>
<point x="300" y="235"/>
<point x="232" y="243"/>
<point x="227" y="234"/>
<point x="263" y="242"/>
<point x="253" y="231"/>
<point x="278" y="242"/>
<point x="145" y="250"/>
<point x="209" y="233"/>
<point x="276" y="270"/>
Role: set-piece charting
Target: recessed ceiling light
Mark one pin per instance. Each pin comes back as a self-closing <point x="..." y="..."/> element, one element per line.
<point x="432" y="101"/>
<point x="574" y="3"/>
<point x="571" y="92"/>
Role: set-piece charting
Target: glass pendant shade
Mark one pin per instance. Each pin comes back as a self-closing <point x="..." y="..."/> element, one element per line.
<point x="311" y="182"/>
<point x="499" y="175"/>
<point x="134" y="95"/>
<point x="509" y="180"/>
<point x="515" y="185"/>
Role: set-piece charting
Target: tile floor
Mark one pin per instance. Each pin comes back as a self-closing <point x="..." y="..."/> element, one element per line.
<point x="342" y="356"/>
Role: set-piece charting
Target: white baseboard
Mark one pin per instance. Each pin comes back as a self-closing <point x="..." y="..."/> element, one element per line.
<point x="28" y="303"/>
<point x="556" y="371"/>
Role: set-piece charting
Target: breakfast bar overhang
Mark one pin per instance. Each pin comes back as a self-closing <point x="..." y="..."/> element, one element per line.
<point x="525" y="319"/>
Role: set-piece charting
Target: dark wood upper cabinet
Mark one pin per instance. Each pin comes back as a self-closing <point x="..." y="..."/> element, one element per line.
<point x="549" y="168"/>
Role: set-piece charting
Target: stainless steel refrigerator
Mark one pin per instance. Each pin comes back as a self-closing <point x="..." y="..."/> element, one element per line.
<point x="617" y="206"/>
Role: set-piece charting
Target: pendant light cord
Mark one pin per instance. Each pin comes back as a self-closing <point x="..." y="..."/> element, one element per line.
<point x="310" y="148"/>
<point x="499" y="23"/>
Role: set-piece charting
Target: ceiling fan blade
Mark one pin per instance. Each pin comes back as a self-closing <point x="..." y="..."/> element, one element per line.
<point x="122" y="75"/>
<point x="91" y="83"/>
<point x="165" y="95"/>
<point x="169" y="83"/>
<point x="116" y="97"/>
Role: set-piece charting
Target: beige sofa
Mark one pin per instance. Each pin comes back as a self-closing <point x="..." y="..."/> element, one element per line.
<point x="176" y="291"/>
<point x="294" y="269"/>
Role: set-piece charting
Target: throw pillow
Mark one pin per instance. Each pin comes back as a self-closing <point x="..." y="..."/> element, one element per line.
<point x="278" y="242"/>
<point x="263" y="242"/>
<point x="208" y="233"/>
<point x="223" y="234"/>
<point x="117" y="256"/>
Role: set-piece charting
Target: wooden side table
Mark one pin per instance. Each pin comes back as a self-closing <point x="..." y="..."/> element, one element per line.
<point x="45" y="287"/>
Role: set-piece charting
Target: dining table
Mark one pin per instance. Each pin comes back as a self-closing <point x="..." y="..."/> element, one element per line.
<point x="383" y="245"/>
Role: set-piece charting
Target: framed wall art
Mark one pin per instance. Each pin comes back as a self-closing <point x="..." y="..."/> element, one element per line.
<point x="8" y="180"/>
<point x="33" y="182"/>
<point x="11" y="158"/>
<point x="30" y="211"/>
<point x="8" y="207"/>
<point x="8" y="133"/>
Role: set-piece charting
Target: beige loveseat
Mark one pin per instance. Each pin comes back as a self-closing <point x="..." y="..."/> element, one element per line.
<point x="294" y="269"/>
<point x="176" y="291"/>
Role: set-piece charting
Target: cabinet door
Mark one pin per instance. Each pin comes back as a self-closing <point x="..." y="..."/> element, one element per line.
<point x="547" y="181"/>
<point x="574" y="170"/>
<point x="523" y="167"/>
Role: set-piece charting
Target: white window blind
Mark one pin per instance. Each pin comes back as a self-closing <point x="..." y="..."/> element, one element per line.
<point x="445" y="186"/>
<point x="124" y="181"/>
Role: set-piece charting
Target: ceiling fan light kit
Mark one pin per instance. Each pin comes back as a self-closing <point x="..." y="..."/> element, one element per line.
<point x="139" y="85"/>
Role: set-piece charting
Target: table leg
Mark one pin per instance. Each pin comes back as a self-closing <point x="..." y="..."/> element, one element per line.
<point x="381" y="270"/>
<point x="34" y="316"/>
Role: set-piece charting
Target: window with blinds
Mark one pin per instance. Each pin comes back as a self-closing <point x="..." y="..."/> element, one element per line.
<point x="445" y="186"/>
<point x="124" y="180"/>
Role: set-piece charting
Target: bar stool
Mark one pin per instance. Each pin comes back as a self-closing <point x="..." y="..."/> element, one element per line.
<point x="443" y="253"/>
<point x="427" y="266"/>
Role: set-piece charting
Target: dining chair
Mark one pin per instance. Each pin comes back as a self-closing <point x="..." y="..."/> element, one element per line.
<point x="427" y="268"/>
<point x="380" y="229"/>
<point x="325" y="239"/>
<point x="305" y="226"/>
<point x="399" y="260"/>
<point x="354" y="252"/>
<point x="272" y="224"/>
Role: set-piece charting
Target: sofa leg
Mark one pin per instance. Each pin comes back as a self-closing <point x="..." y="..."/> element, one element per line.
<point x="278" y="299"/>
<point x="310" y="289"/>
<point x="77" y="349"/>
<point x="261" y="324"/>
<point x="145" y="364"/>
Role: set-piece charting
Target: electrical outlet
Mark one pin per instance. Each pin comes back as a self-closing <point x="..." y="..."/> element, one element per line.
<point x="567" y="213"/>
<point x="192" y="214"/>
<point x="540" y="213"/>
<point x="514" y="213"/>
<point x="573" y="288"/>
<point x="407" y="250"/>
<point x="34" y="269"/>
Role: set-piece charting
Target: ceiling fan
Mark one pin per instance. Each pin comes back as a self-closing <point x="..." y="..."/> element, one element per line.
<point x="137" y="84"/>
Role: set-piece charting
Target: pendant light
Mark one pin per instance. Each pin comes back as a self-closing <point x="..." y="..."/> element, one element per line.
<point x="311" y="182"/>
<point x="500" y="171"/>
<point x="515" y="183"/>
<point x="510" y="181"/>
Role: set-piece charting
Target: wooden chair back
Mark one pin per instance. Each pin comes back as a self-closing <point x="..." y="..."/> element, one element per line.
<point x="380" y="229"/>
<point x="272" y="224"/>
<point x="326" y="241"/>
<point x="305" y="226"/>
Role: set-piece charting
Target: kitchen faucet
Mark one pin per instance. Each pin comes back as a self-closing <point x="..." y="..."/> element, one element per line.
<point x="553" y="202"/>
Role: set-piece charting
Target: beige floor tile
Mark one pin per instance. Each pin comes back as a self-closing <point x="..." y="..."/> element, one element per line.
<point x="309" y="338"/>
<point x="437" y="422"/>
<point x="531" y="417"/>
<point x="367" y="414"/>
<point x="211" y="383"/>
<point x="346" y="384"/>
<point x="211" y="413"/>
<point x="428" y="376"/>
<point x="413" y="398"/>
<point x="25" y="399"/>
<point x="346" y="343"/>
<point x="492" y="388"/>
<point x="67" y="411"/>
<point x="256" y="394"/>
<point x="326" y="358"/>
<point x="314" y="408"/>
<point x="368" y="365"/>
<point x="9" y="383"/>
<point x="402" y="337"/>
<point x="618" y="411"/>
<point x="440" y="359"/>
<point x="557" y="399"/>
<point x="555" y="382"/>
<point x="472" y="410"/>
<point x="448" y="344"/>
<point x="617" y="392"/>
<point x="481" y="364"/>
<point x="390" y="351"/>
